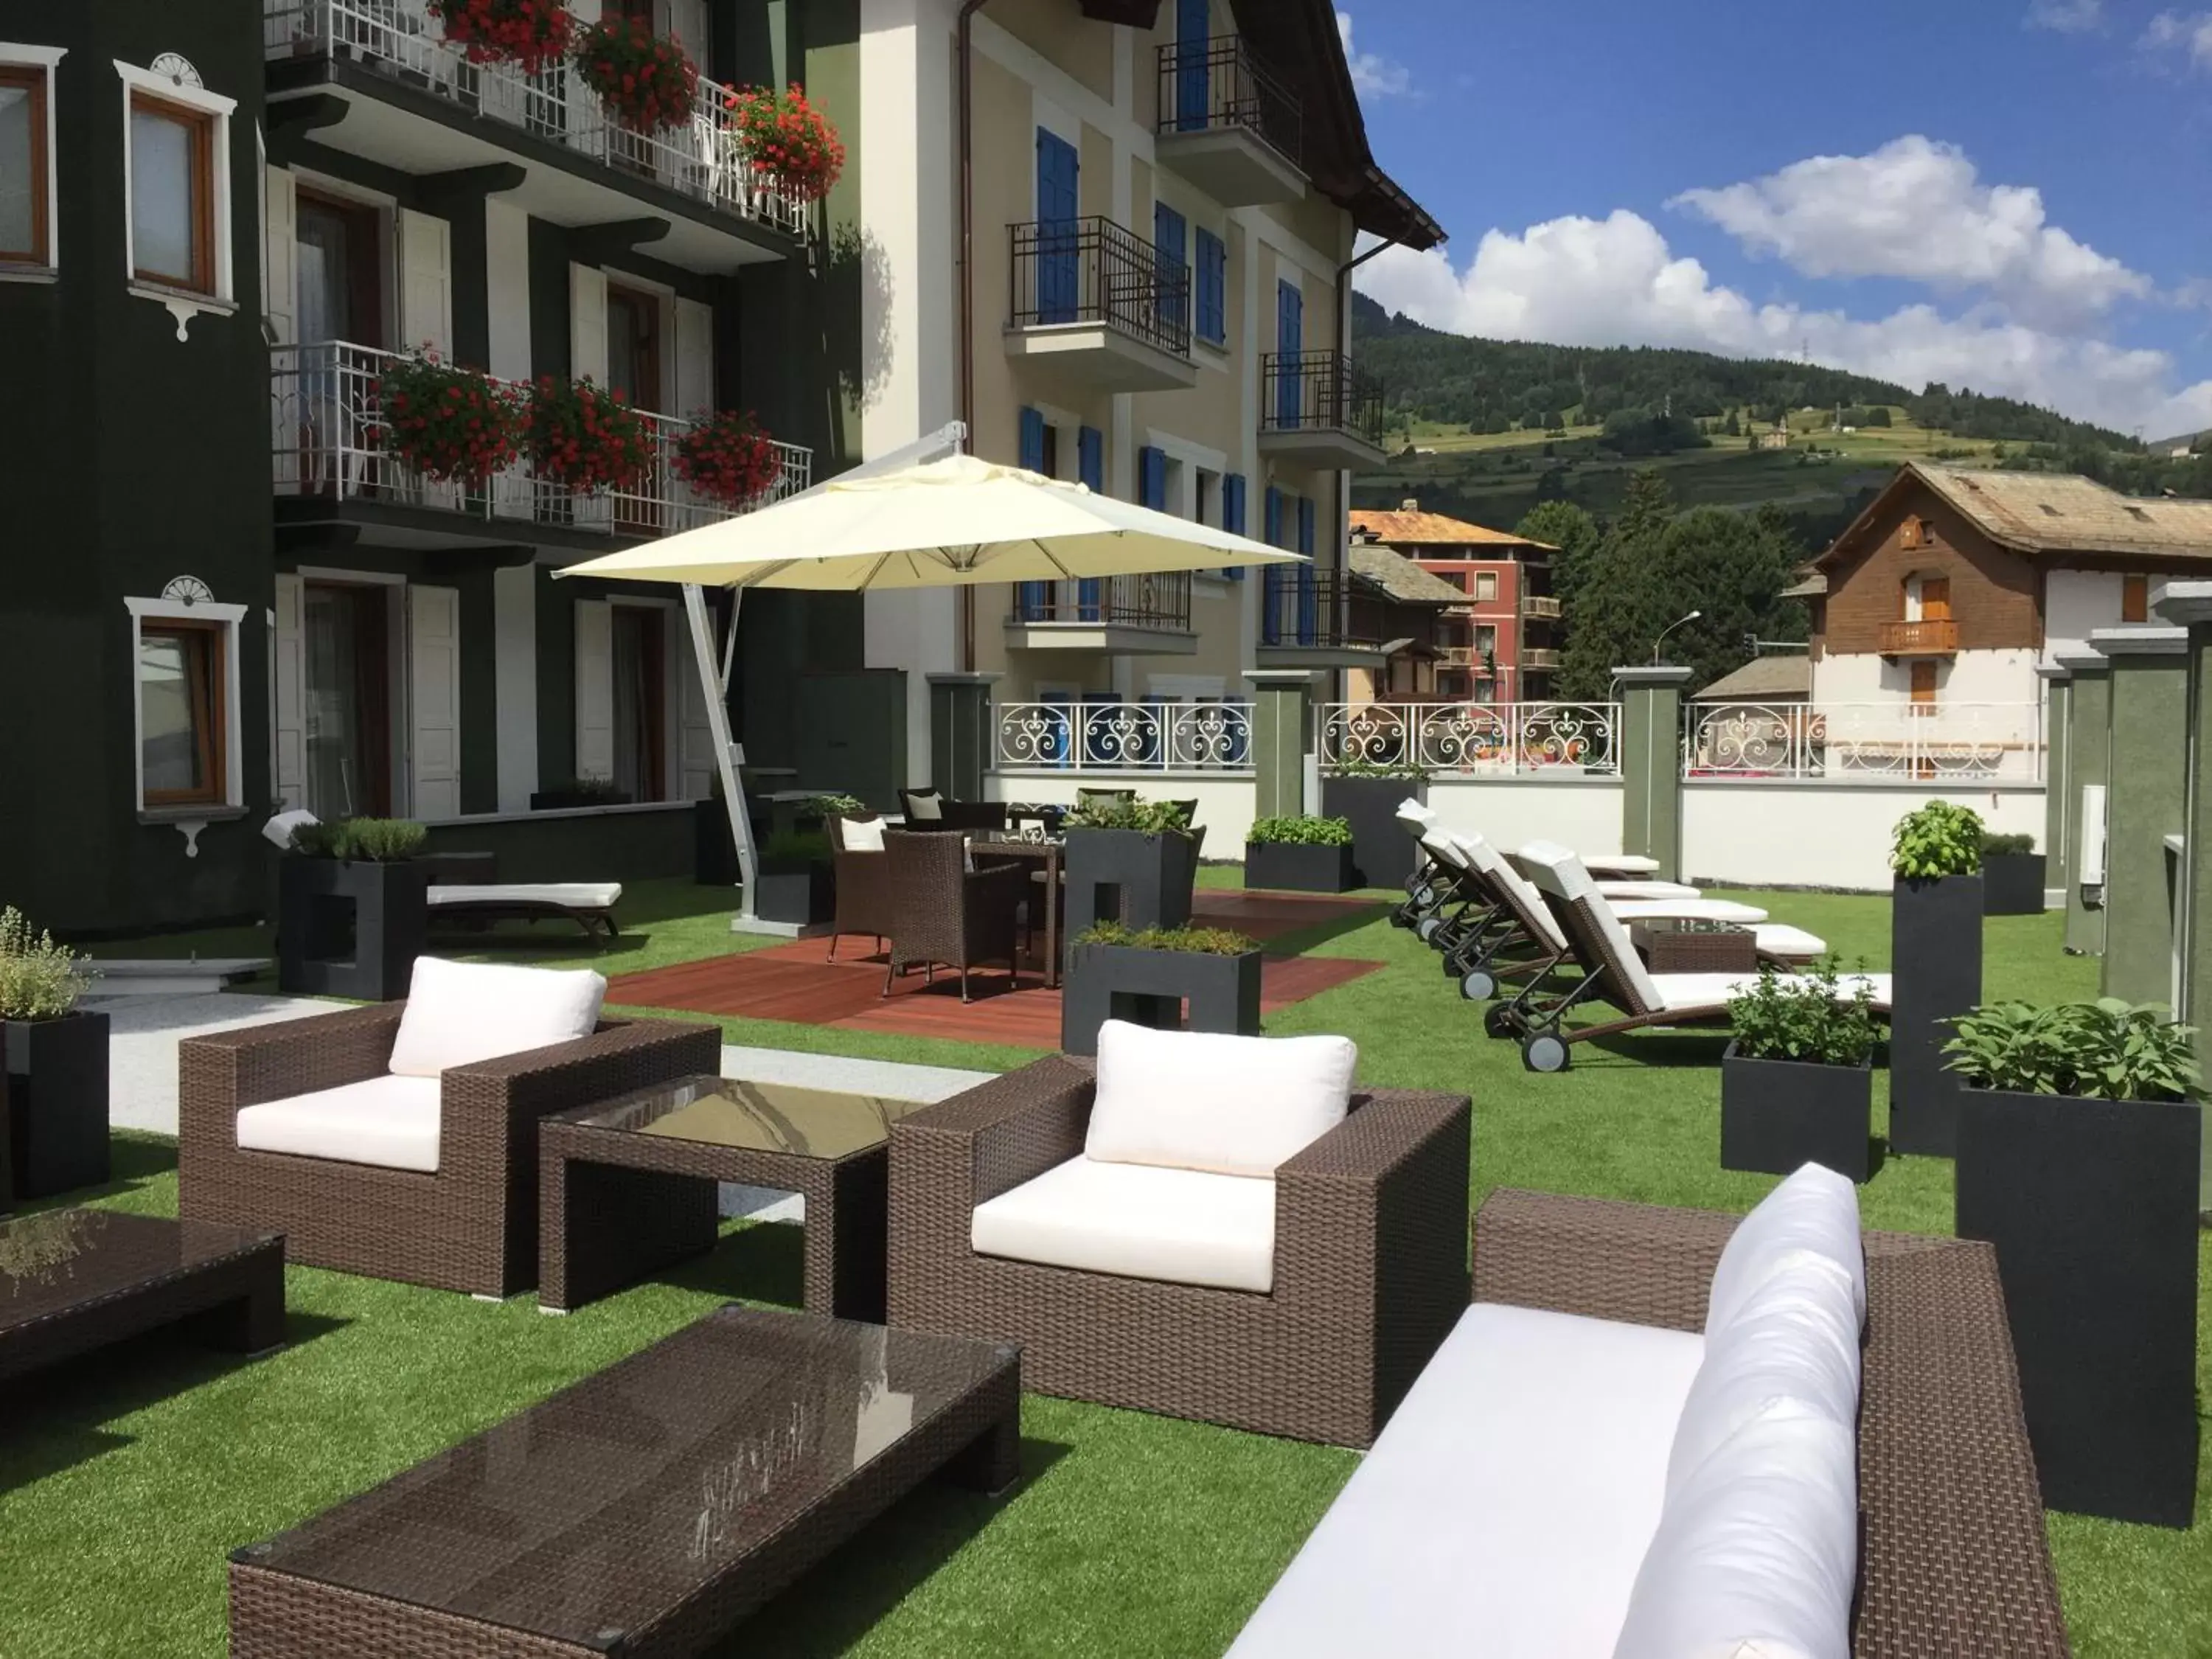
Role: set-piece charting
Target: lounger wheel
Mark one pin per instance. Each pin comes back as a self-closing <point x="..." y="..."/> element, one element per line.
<point x="1497" y="1021"/>
<point x="1477" y="984"/>
<point x="1545" y="1052"/>
<point x="1425" y="896"/>
<point x="1402" y="916"/>
<point x="1426" y="932"/>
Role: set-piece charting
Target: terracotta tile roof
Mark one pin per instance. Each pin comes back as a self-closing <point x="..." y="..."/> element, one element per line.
<point x="2054" y="514"/>
<point x="1784" y="675"/>
<point x="1411" y="527"/>
<point x="1401" y="579"/>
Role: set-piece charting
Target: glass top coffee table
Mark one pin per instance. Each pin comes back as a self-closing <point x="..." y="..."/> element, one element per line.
<point x="74" y="1280"/>
<point x="645" y="1510"/>
<point x="627" y="1187"/>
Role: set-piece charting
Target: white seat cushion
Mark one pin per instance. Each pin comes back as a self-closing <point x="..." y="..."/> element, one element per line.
<point x="1646" y="889"/>
<point x="861" y="835"/>
<point x="1812" y="1216"/>
<point x="1696" y="909"/>
<point x="459" y="1013"/>
<point x="1198" y="1100"/>
<point x="1184" y="1226"/>
<point x="1612" y="865"/>
<point x="1505" y="1510"/>
<point x="1714" y="990"/>
<point x="569" y="895"/>
<point x="1757" y="1553"/>
<point x="390" y="1121"/>
<point x="1780" y="939"/>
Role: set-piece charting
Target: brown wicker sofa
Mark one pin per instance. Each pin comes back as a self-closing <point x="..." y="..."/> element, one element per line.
<point x="472" y="1224"/>
<point x="1370" y="1264"/>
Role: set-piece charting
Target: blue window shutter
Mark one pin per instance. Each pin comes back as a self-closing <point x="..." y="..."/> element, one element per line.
<point x="1212" y="321"/>
<point x="1168" y="254"/>
<point x="1057" y="199"/>
<point x="1232" y="515"/>
<point x="1309" y="608"/>
<point x="1090" y="457"/>
<point x="1271" y="575"/>
<point x="1306" y="525"/>
<point x="1152" y="479"/>
<point x="1290" y="344"/>
<point x="1193" y="28"/>
<point x="1032" y="600"/>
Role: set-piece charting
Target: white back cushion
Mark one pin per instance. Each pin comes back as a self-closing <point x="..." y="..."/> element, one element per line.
<point x="1756" y="1552"/>
<point x="1517" y="891"/>
<point x="1414" y="816"/>
<point x="1559" y="871"/>
<point x="1443" y="846"/>
<point x="459" y="1013"/>
<point x="1812" y="1220"/>
<point x="1196" y="1100"/>
<point x="861" y="835"/>
<point x="926" y="807"/>
<point x="1791" y="1349"/>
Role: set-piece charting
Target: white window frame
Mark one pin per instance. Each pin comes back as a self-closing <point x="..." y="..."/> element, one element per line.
<point x="183" y="303"/>
<point x="19" y="55"/>
<point x="233" y="779"/>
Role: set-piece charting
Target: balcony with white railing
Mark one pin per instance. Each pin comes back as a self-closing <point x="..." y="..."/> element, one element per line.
<point x="398" y="41"/>
<point x="325" y="414"/>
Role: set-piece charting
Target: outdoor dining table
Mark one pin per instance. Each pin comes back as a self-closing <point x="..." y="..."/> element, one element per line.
<point x="1047" y="853"/>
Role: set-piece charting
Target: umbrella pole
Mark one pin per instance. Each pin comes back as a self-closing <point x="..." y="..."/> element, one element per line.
<point x="728" y="758"/>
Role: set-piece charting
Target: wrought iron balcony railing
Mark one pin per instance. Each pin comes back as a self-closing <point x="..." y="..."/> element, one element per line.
<point x="1319" y="391"/>
<point x="1471" y="738"/>
<point x="701" y="158"/>
<point x="1098" y="731"/>
<point x="1093" y="270"/>
<point x="1303" y="607"/>
<point x="326" y="417"/>
<point x="1209" y="85"/>
<point x="1157" y="601"/>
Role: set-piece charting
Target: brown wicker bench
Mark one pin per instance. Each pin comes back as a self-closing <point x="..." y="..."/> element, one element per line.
<point x="1954" y="1563"/>
<point x="1371" y="1266"/>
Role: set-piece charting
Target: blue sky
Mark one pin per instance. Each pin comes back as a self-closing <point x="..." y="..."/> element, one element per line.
<point x="2012" y="195"/>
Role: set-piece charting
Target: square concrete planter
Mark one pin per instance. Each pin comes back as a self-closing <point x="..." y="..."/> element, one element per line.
<point x="56" y="1090"/>
<point x="1778" y="1113"/>
<point x="1382" y="854"/>
<point x="349" y="929"/>
<point x="1150" y="987"/>
<point x="1296" y="867"/>
<point x="1139" y="880"/>
<point x="2092" y="1205"/>
<point x="2012" y="883"/>
<point x="1936" y="974"/>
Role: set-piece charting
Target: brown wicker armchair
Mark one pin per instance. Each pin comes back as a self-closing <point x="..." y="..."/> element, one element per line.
<point x="1371" y="1265"/>
<point x="1953" y="1558"/>
<point x="473" y="1225"/>
<point x="864" y="890"/>
<point x="943" y="912"/>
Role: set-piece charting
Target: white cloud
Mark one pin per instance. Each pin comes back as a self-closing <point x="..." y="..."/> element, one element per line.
<point x="1372" y="75"/>
<point x="2189" y="34"/>
<point x="2066" y="16"/>
<point x="1916" y="208"/>
<point x="1616" y="281"/>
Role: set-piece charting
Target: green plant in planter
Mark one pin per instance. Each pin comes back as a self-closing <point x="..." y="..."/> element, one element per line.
<point x="38" y="979"/>
<point x="360" y="841"/>
<point x="1359" y="767"/>
<point x="795" y="849"/>
<point x="1146" y="817"/>
<point x="1193" y="941"/>
<point x="1801" y="1017"/>
<point x="1303" y="831"/>
<point x="317" y="841"/>
<point x="1997" y="846"/>
<point x="2107" y="1049"/>
<point x="1938" y="839"/>
<point x="836" y="807"/>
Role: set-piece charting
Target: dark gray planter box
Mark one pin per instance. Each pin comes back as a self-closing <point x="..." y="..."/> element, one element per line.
<point x="2092" y="1205"/>
<point x="1123" y="875"/>
<point x="56" y="1116"/>
<point x="1778" y="1113"/>
<point x="1382" y="854"/>
<point x="1150" y="987"/>
<point x="1936" y="974"/>
<point x="715" y="849"/>
<point x="804" y="897"/>
<point x="349" y="929"/>
<point x="2012" y="883"/>
<point x="1294" y="867"/>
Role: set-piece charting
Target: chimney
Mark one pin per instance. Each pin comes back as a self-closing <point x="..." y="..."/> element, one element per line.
<point x="1410" y="504"/>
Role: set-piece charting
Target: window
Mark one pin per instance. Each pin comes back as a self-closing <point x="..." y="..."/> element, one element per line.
<point x="176" y="189"/>
<point x="1485" y="584"/>
<point x="27" y="182"/>
<point x="1486" y="641"/>
<point x="2135" y="599"/>
<point x="180" y="712"/>
<point x="1213" y="318"/>
<point x="1916" y="533"/>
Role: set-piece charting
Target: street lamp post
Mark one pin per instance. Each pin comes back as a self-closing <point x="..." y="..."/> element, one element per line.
<point x="1678" y="622"/>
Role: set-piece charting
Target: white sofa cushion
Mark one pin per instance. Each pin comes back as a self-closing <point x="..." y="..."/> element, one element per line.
<point x="1757" y="1552"/>
<point x="391" y="1122"/>
<point x="1791" y="1349"/>
<point x="1811" y="1220"/>
<point x="925" y="806"/>
<point x="459" y="1013"/>
<point x="1504" y="1509"/>
<point x="1198" y="1100"/>
<point x="1184" y="1226"/>
<point x="861" y="835"/>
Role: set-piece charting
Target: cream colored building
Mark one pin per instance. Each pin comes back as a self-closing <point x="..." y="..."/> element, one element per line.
<point x="1163" y="200"/>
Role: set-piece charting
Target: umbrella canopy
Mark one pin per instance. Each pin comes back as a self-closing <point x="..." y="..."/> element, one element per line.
<point x="941" y="523"/>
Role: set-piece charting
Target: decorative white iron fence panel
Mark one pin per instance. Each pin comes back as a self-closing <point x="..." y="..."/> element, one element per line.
<point x="1127" y="736"/>
<point x="699" y="159"/>
<point x="1501" y="739"/>
<point x="1997" y="742"/>
<point x="324" y="411"/>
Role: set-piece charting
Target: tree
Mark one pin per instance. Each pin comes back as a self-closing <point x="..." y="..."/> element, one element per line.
<point x="1731" y="428"/>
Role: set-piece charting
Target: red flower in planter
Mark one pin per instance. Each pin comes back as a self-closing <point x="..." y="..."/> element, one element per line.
<point x="581" y="435"/>
<point x="788" y="139"/>
<point x="645" y="82"/>
<point x="728" y="459"/>
<point x="450" y="424"/>
<point x="533" y="34"/>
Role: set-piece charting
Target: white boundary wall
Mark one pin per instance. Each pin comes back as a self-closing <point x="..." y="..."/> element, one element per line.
<point x="1815" y="833"/>
<point x="1581" y="812"/>
<point x="1226" y="801"/>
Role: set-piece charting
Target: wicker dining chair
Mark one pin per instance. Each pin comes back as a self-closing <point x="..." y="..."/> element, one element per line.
<point x="943" y="912"/>
<point x="864" y="889"/>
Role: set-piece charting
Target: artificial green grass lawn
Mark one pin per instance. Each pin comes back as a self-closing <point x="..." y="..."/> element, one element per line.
<point x="125" y="1479"/>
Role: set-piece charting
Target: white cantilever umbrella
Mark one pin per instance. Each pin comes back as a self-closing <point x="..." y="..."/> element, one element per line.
<point x="941" y="523"/>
